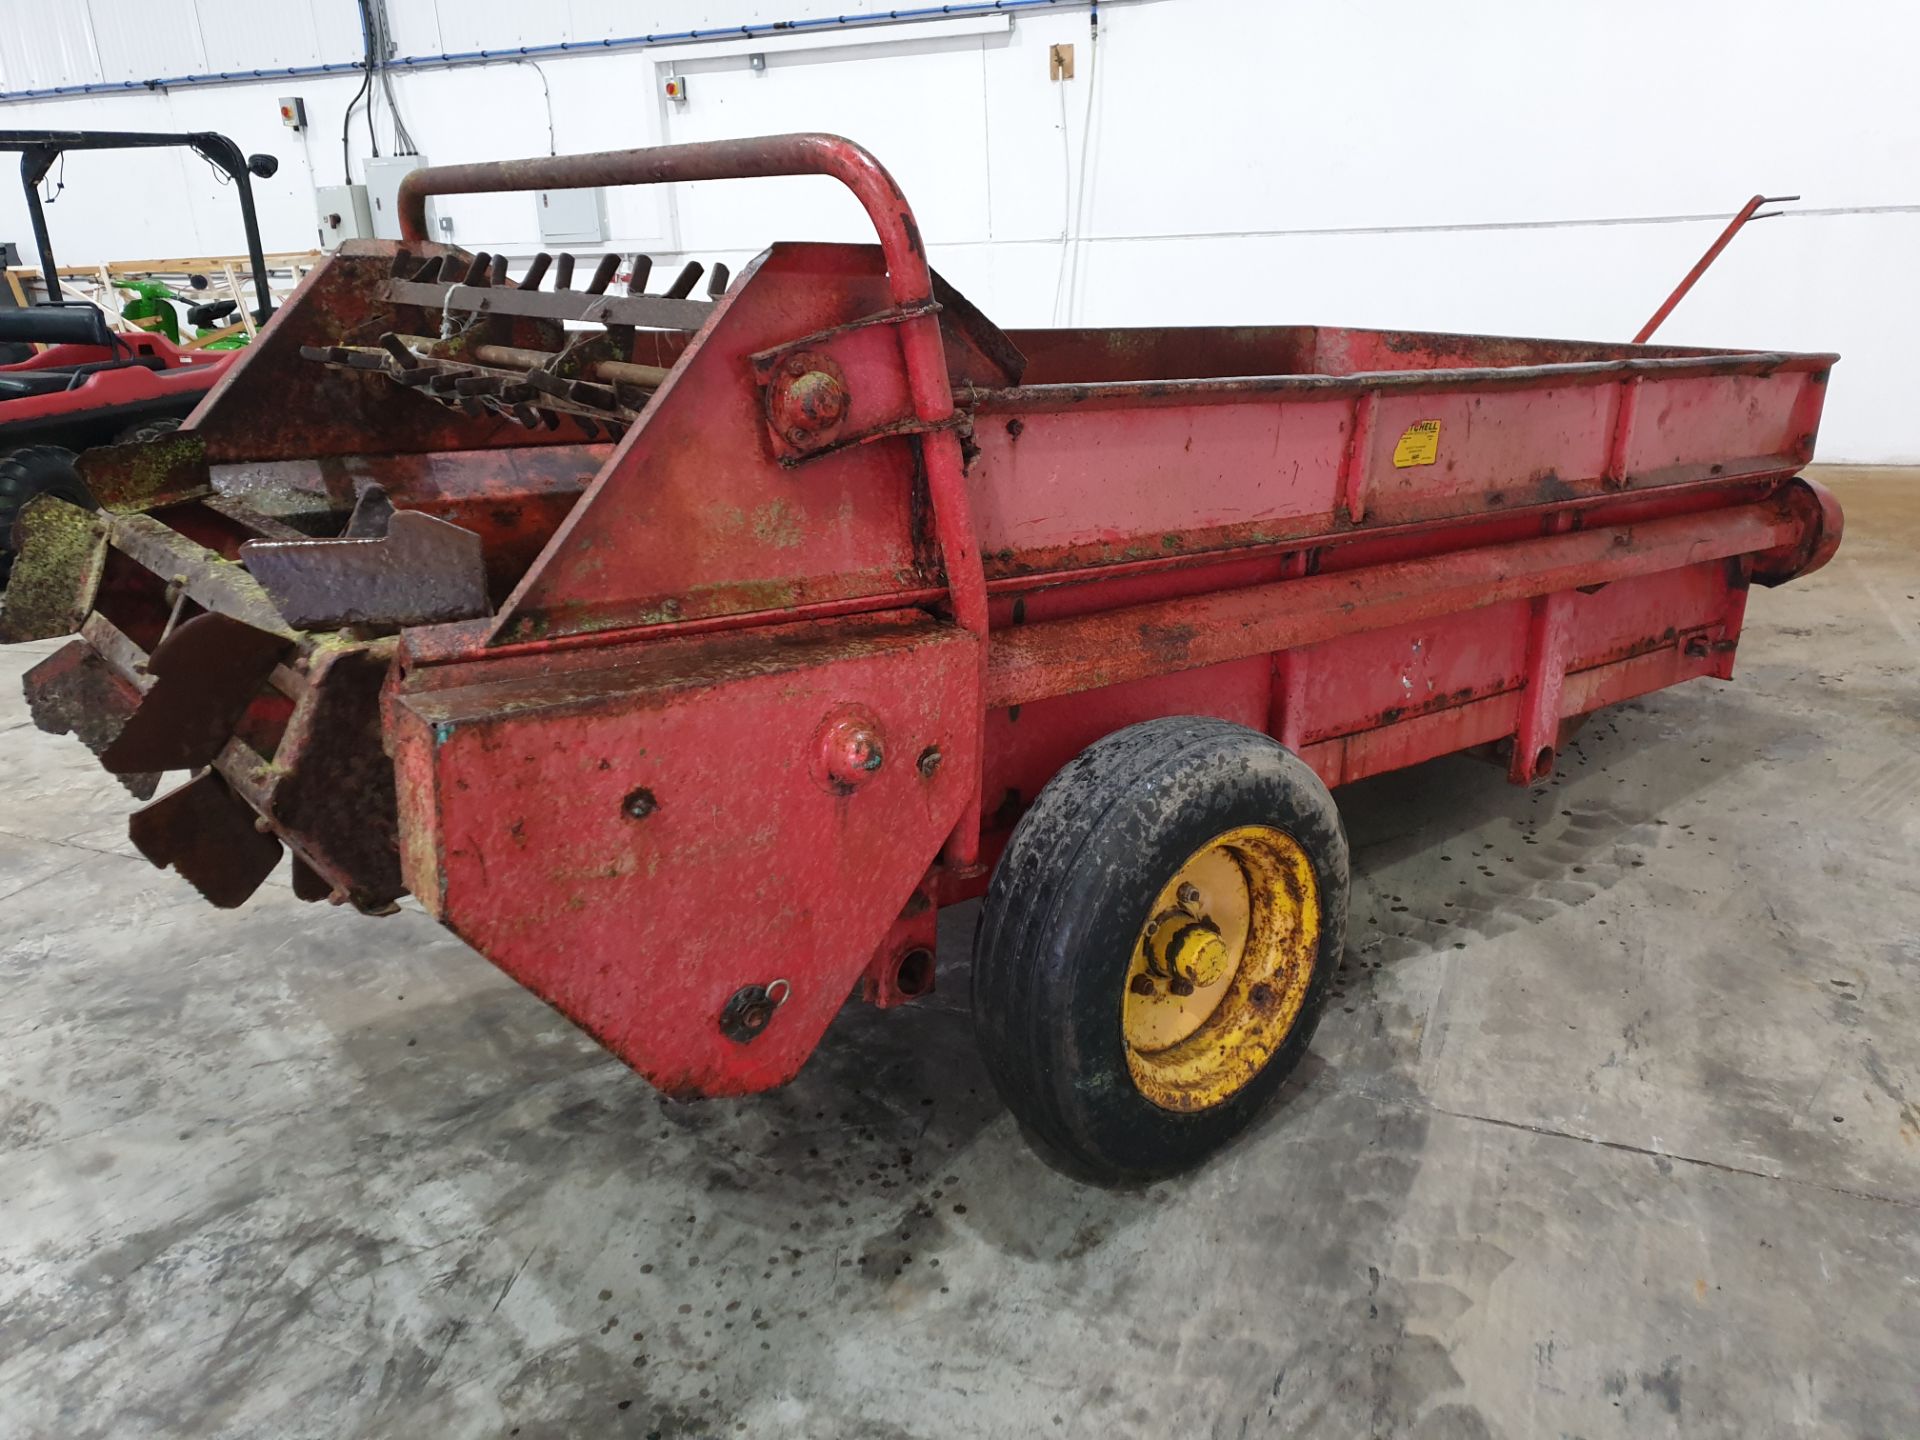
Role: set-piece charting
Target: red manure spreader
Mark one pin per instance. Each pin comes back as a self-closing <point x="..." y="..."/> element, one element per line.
<point x="685" y="653"/>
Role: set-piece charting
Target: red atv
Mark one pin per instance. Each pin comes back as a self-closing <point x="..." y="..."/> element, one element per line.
<point x="91" y="385"/>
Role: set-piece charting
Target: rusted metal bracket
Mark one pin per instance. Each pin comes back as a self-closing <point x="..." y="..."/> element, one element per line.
<point x="840" y="387"/>
<point x="204" y="577"/>
<point x="421" y="572"/>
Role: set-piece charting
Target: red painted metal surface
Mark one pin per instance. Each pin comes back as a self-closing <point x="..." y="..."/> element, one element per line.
<point x="799" y="595"/>
<point x="663" y="826"/>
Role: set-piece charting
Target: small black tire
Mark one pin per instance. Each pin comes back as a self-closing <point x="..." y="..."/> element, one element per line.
<point x="1065" y="913"/>
<point x="25" y="474"/>
<point x="147" y="430"/>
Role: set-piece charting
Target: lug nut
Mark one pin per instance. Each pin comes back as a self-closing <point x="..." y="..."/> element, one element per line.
<point x="1189" y="894"/>
<point x="1140" y="985"/>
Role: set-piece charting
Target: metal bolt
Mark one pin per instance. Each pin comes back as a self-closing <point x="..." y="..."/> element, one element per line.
<point x="930" y="761"/>
<point x="797" y="435"/>
<point x="1140" y="985"/>
<point x="639" y="804"/>
<point x="851" y="750"/>
<point x="796" y="366"/>
<point x="1189" y="894"/>
<point x="751" y="1010"/>
<point x="1180" y="985"/>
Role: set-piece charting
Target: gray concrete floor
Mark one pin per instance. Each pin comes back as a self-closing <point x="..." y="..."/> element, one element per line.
<point x="1614" y="1130"/>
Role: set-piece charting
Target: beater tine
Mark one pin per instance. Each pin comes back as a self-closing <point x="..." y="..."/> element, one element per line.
<point x="536" y="272"/>
<point x="684" y="282"/>
<point x="717" y="282"/>
<point x="397" y="348"/>
<point x="205" y="673"/>
<point x="563" y="272"/>
<point x="75" y="690"/>
<point x="603" y="274"/>
<point x="637" y="279"/>
<point x="206" y="833"/>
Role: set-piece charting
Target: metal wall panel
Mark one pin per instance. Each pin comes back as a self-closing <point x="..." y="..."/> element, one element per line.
<point x="415" y="25"/>
<point x="260" y="34"/>
<point x="496" y="24"/>
<point x="141" y="39"/>
<point x="44" y="45"/>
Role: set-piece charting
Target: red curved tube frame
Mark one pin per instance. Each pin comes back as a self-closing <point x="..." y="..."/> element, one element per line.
<point x="909" y="281"/>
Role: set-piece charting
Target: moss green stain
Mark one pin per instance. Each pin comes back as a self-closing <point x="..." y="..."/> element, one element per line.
<point x="777" y="524"/>
<point x="167" y="469"/>
<point x="56" y="573"/>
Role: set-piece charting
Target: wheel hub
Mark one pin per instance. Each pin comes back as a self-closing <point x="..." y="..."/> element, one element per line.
<point x="1220" y="970"/>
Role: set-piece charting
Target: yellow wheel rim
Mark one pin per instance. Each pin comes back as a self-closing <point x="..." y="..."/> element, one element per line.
<point x="1221" y="967"/>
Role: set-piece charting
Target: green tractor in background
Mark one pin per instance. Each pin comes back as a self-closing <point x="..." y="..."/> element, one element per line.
<point x="152" y="309"/>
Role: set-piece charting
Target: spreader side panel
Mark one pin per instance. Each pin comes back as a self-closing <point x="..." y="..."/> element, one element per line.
<point x="646" y="839"/>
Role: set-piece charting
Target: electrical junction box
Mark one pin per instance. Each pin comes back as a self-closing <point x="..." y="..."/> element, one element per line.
<point x="674" y="87"/>
<point x="384" y="174"/>
<point x="343" y="214"/>
<point x="572" y="217"/>
<point x="293" y="112"/>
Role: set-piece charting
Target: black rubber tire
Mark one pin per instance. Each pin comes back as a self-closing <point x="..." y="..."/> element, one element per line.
<point x="1067" y="902"/>
<point x="147" y="430"/>
<point x="30" y="471"/>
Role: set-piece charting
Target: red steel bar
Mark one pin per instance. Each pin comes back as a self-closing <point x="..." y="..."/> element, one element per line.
<point x="1734" y="225"/>
<point x="1087" y="652"/>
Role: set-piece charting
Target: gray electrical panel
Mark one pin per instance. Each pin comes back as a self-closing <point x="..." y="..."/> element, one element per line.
<point x="342" y="214"/>
<point x="572" y="217"/>
<point x="384" y="175"/>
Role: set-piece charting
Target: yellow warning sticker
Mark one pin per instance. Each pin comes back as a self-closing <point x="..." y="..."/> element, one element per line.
<point x="1419" y="445"/>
